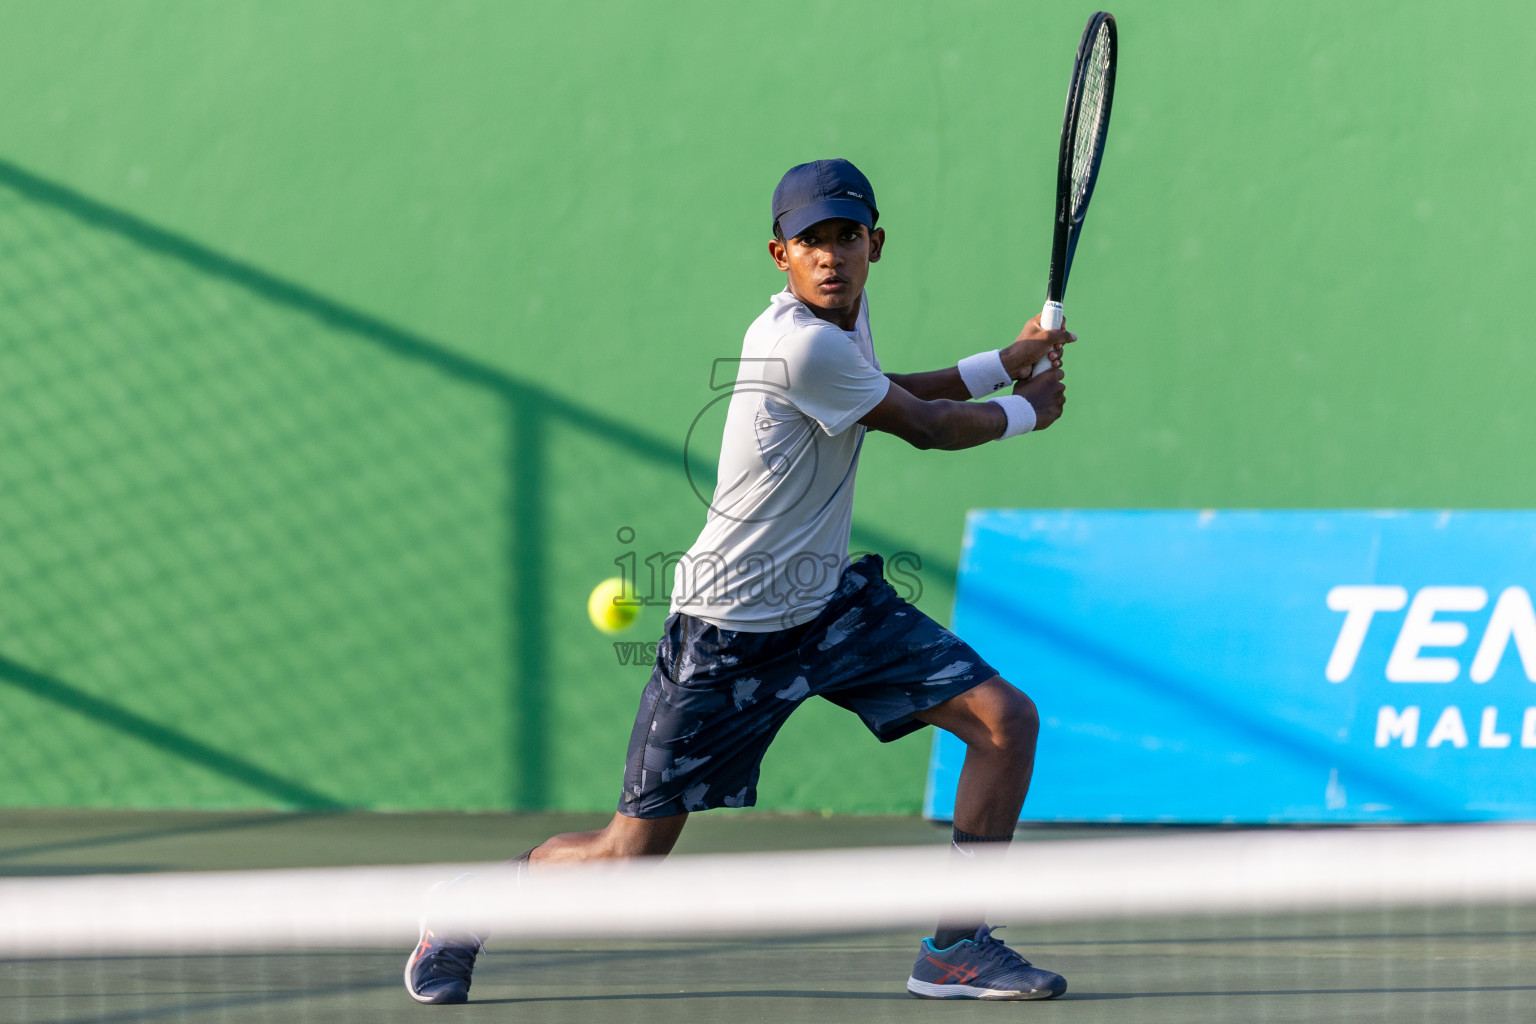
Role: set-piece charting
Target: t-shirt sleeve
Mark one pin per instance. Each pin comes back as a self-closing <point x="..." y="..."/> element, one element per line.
<point x="829" y="379"/>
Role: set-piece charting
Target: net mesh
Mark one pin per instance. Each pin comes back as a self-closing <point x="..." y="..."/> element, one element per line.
<point x="1327" y="925"/>
<point x="1089" y="133"/>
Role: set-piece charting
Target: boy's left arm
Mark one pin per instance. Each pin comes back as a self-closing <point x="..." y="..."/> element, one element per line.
<point x="1018" y="359"/>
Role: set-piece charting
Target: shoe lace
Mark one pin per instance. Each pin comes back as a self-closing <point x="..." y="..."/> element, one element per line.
<point x="989" y="947"/>
<point x="456" y="957"/>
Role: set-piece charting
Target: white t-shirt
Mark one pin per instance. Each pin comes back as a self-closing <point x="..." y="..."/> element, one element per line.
<point x="776" y="539"/>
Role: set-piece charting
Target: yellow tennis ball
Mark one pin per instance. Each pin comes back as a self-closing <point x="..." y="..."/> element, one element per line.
<point x="605" y="615"/>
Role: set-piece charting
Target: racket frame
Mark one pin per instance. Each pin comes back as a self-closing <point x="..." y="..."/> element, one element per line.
<point x="1069" y="219"/>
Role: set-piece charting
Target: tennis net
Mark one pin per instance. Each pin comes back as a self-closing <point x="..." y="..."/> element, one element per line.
<point x="1333" y="924"/>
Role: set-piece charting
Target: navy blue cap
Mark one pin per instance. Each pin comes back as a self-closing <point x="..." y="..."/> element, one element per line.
<point x="822" y="190"/>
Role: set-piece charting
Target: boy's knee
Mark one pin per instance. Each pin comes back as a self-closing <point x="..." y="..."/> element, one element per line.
<point x="1010" y="722"/>
<point x="641" y="837"/>
<point x="1019" y="722"/>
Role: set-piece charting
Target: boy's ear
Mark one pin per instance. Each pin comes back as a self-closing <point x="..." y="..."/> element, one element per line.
<point x="876" y="243"/>
<point x="780" y="253"/>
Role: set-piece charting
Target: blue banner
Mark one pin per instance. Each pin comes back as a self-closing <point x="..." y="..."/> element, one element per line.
<point x="1260" y="666"/>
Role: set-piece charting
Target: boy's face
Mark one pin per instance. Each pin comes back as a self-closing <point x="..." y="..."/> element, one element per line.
<point x="828" y="263"/>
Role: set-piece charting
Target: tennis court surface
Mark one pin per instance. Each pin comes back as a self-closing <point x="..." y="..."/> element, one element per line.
<point x="1465" y="963"/>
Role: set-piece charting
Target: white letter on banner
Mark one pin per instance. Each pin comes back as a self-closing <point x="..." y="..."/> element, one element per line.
<point x="1449" y="729"/>
<point x="1528" y="733"/>
<point x="1358" y="604"/>
<point x="1420" y="630"/>
<point x="1512" y="617"/>
<point x="1489" y="736"/>
<point x="1391" y="725"/>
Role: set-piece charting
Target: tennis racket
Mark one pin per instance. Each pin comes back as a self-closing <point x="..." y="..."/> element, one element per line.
<point x="1084" y="128"/>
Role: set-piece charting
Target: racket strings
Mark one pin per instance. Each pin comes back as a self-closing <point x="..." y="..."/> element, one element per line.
<point x="1090" y="116"/>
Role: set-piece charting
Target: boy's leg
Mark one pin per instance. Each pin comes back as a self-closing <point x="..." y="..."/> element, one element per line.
<point x="622" y="837"/>
<point x="440" y="968"/>
<point x="999" y="726"/>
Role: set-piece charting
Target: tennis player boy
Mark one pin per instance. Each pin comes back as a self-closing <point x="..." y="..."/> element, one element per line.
<point x="768" y="611"/>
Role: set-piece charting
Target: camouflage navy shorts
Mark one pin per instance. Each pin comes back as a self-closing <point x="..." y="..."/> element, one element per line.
<point x="717" y="697"/>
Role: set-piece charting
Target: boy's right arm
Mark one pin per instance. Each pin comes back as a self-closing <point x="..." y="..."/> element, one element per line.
<point x="1019" y="361"/>
<point x="950" y="425"/>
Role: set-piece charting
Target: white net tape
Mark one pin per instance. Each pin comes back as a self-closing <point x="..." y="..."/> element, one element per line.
<point x="1224" y="873"/>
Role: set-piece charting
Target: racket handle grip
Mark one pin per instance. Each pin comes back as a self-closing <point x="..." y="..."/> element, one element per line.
<point x="1051" y="318"/>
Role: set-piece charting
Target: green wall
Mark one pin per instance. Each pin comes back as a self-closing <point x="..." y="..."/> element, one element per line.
<point x="338" y="341"/>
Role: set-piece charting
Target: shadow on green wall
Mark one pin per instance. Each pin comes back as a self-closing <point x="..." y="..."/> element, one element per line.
<point x="531" y="414"/>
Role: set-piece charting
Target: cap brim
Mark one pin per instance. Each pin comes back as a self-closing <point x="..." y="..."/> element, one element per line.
<point x="796" y="221"/>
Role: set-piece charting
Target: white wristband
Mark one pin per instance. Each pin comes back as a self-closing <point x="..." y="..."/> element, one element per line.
<point x="1021" y="415"/>
<point x="984" y="373"/>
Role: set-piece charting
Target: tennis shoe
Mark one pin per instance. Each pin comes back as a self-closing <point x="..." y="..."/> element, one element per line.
<point x="980" y="968"/>
<point x="440" y="966"/>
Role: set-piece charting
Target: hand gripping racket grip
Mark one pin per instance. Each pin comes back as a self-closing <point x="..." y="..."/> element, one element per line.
<point x="1051" y="318"/>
